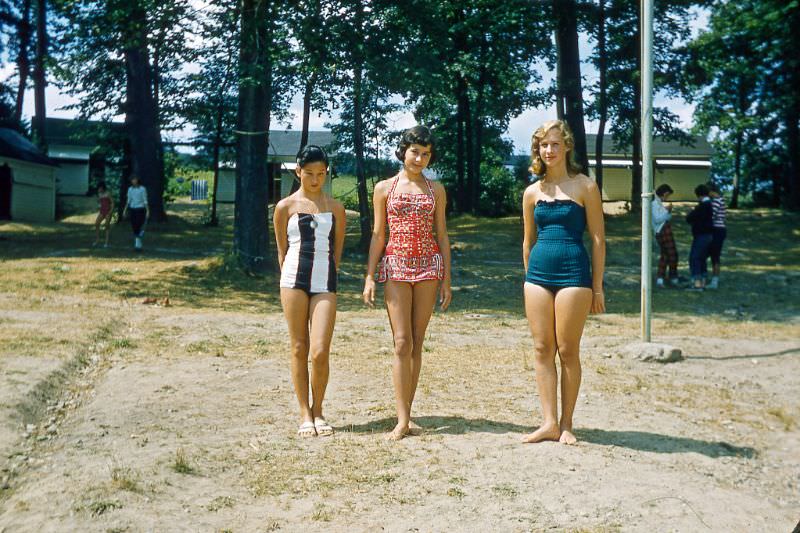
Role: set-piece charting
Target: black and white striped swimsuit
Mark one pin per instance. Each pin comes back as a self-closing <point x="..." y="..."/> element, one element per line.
<point x="309" y="263"/>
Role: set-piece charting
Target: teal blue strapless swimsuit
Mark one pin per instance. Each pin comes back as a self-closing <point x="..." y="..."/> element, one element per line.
<point x="559" y="259"/>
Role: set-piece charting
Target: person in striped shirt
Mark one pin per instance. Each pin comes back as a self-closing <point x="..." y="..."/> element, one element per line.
<point x="719" y="233"/>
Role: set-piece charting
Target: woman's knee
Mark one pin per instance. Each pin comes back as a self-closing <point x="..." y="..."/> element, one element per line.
<point x="544" y="351"/>
<point x="319" y="356"/>
<point x="403" y="345"/>
<point x="300" y="348"/>
<point x="569" y="353"/>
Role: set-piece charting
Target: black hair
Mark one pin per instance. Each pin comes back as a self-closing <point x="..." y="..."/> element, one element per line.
<point x="311" y="153"/>
<point x="713" y="187"/>
<point x="701" y="190"/>
<point x="416" y="135"/>
<point x="102" y="186"/>
<point x="664" y="189"/>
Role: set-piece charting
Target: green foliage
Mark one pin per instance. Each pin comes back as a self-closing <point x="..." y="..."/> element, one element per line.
<point x="501" y="193"/>
<point x="744" y="69"/>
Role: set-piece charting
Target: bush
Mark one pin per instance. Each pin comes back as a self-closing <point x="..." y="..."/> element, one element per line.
<point x="501" y="193"/>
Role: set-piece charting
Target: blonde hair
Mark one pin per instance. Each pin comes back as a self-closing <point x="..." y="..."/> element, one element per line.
<point x="538" y="166"/>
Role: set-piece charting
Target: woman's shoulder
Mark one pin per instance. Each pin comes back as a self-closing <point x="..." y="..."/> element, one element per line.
<point x="532" y="190"/>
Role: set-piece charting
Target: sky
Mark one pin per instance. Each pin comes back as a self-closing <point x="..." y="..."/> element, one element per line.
<point x="519" y="130"/>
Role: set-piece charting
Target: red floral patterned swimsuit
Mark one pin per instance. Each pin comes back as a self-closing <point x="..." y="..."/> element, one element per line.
<point x="412" y="253"/>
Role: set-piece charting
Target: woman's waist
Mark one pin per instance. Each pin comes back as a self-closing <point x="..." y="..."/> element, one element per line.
<point x="412" y="248"/>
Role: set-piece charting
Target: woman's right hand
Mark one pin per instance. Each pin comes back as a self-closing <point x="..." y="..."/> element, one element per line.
<point x="369" y="291"/>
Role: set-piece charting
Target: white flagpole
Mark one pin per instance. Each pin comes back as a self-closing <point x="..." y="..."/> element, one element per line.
<point x="647" y="163"/>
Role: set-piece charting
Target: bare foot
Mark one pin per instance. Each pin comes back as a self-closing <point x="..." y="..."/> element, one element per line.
<point x="414" y="429"/>
<point x="545" y="432"/>
<point x="567" y="437"/>
<point x="397" y="433"/>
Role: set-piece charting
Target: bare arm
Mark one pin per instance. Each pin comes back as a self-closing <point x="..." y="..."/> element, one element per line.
<point x="529" y="238"/>
<point x="440" y="226"/>
<point x="378" y="240"/>
<point x="280" y="220"/>
<point x="341" y="228"/>
<point x="594" y="222"/>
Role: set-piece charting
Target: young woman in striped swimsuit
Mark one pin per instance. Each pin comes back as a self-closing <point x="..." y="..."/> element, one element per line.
<point x="415" y="264"/>
<point x="309" y="234"/>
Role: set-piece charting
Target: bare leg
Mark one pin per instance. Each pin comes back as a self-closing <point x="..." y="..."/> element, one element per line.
<point x="539" y="308"/>
<point x="399" y="297"/>
<point x="108" y="227"/>
<point x="295" y="309"/>
<point x="424" y="300"/>
<point x="572" y="306"/>
<point x="97" y="222"/>
<point x="322" y="309"/>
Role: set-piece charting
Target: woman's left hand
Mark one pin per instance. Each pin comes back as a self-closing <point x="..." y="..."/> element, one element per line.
<point x="598" y="302"/>
<point x="445" y="295"/>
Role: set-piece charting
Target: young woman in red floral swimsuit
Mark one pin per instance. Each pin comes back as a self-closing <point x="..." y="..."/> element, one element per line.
<point x="415" y="264"/>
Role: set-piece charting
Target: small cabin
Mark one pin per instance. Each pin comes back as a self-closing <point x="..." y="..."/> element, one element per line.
<point x="27" y="180"/>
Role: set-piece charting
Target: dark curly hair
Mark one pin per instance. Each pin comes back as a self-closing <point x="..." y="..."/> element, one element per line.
<point x="416" y="135"/>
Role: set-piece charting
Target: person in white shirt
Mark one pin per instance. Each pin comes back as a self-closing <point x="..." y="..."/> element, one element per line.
<point x="660" y="218"/>
<point x="140" y="211"/>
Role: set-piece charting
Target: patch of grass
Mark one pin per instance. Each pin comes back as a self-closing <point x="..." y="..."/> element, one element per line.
<point x="220" y="502"/>
<point x="322" y="513"/>
<point x="101" y="507"/>
<point x="505" y="490"/>
<point x="123" y="344"/>
<point x="455" y="492"/>
<point x="181" y="464"/>
<point x="125" y="478"/>
<point x="786" y="419"/>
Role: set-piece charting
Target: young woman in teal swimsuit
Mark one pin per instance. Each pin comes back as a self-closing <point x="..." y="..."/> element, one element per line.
<point x="560" y="287"/>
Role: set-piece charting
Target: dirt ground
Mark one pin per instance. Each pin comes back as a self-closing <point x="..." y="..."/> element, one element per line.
<point x="120" y="415"/>
<point x="180" y="419"/>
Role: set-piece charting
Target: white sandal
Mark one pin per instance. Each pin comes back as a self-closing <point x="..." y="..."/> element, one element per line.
<point x="323" y="428"/>
<point x="307" y="429"/>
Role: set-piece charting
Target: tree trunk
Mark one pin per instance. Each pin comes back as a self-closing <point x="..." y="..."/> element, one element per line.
<point x="250" y="233"/>
<point x="461" y="189"/>
<point x="793" y="156"/>
<point x="23" y="61"/>
<point x="39" y="76"/>
<point x="358" y="136"/>
<point x="124" y="179"/>
<point x="477" y="155"/>
<point x="467" y="205"/>
<point x="636" y="126"/>
<point x="560" y="112"/>
<point x="737" y="168"/>
<point x="217" y="142"/>
<point x="141" y="115"/>
<point x="309" y="90"/>
<point x="570" y="62"/>
<point x="602" y="104"/>
<point x="361" y="176"/>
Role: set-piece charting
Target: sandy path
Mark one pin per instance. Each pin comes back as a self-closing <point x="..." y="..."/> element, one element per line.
<point x="189" y="426"/>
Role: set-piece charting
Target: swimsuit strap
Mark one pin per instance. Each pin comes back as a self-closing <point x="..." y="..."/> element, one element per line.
<point x="391" y="190"/>
<point x="430" y="191"/>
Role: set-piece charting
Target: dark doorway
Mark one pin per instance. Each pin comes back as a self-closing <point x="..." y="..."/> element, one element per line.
<point x="5" y="192"/>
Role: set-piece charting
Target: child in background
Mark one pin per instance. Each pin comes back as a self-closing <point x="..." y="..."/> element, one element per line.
<point x="139" y="209"/>
<point x="105" y="204"/>
<point x="719" y="233"/>
<point x="701" y="220"/>
<point x="661" y="221"/>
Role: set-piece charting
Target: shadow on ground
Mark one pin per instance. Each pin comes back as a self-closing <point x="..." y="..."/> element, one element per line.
<point x="788" y="351"/>
<point x="645" y="441"/>
<point x="445" y="425"/>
